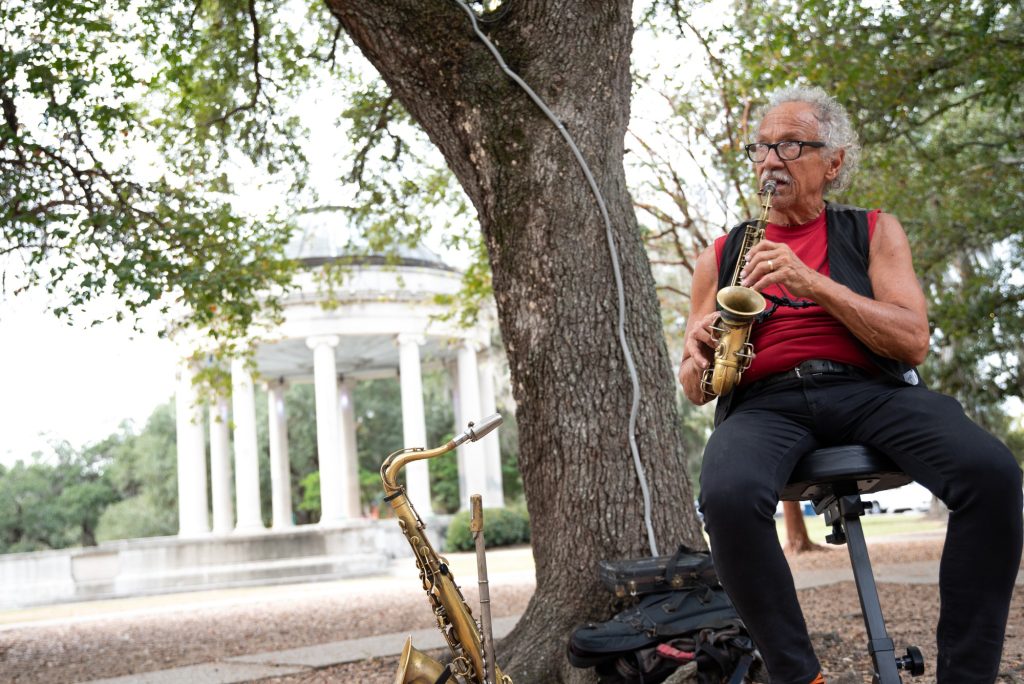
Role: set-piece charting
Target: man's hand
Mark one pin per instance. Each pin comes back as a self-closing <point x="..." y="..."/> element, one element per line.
<point x="701" y="342"/>
<point x="774" y="263"/>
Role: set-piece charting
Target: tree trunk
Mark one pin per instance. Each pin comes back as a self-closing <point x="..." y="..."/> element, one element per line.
<point x="797" y="539"/>
<point x="553" y="282"/>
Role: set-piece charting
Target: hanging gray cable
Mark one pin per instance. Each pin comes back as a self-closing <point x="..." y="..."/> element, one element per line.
<point x="623" y="342"/>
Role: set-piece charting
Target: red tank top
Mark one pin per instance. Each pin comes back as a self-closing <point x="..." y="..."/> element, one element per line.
<point x="791" y="336"/>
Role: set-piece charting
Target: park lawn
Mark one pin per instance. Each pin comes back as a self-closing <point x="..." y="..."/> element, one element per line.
<point x="875" y="526"/>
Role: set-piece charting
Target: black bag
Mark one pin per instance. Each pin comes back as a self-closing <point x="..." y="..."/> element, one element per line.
<point x="642" y="576"/>
<point x="635" y="646"/>
<point x="708" y="657"/>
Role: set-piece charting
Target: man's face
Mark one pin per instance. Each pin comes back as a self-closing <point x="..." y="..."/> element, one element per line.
<point x="800" y="182"/>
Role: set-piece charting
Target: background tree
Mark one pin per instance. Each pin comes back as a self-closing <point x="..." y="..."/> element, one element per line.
<point x="142" y="468"/>
<point x="46" y="505"/>
<point x="935" y="90"/>
<point x="88" y="210"/>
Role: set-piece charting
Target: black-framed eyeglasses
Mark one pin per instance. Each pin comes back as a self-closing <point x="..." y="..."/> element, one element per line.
<point x="787" y="150"/>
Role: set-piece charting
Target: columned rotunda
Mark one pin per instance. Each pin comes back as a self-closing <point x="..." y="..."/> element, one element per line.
<point x="381" y="321"/>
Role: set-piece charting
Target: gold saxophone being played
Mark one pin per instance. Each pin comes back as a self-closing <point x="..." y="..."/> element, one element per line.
<point x="738" y="307"/>
<point x="465" y="638"/>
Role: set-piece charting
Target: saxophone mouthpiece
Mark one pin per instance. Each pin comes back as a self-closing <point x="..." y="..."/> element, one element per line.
<point x="477" y="430"/>
<point x="769" y="187"/>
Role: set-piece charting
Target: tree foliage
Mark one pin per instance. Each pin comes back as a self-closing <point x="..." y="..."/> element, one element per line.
<point x="126" y="130"/>
<point x="142" y="466"/>
<point x="104" y="192"/>
<point x="935" y="89"/>
<point x="52" y="505"/>
<point x="124" y="486"/>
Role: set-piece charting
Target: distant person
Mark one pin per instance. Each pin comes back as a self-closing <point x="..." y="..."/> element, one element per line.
<point x="834" y="365"/>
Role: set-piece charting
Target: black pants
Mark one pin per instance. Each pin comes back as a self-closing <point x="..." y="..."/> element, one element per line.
<point x="752" y="453"/>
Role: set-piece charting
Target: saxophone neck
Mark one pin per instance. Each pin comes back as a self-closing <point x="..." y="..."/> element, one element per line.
<point x="767" y="192"/>
<point x="399" y="459"/>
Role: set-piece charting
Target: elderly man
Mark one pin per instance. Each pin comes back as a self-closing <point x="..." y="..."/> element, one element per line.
<point x="834" y="364"/>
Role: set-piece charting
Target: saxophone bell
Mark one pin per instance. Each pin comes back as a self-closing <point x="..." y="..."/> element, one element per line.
<point x="416" y="667"/>
<point x="739" y="306"/>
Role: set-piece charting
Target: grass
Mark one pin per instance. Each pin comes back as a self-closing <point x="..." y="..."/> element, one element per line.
<point x="875" y="526"/>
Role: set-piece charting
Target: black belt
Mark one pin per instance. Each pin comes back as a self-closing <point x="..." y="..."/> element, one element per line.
<point x="809" y="368"/>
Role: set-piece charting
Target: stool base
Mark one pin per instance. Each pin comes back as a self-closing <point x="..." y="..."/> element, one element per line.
<point x="843" y="509"/>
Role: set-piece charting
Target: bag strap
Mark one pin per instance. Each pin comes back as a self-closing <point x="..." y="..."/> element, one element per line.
<point x="673" y="563"/>
<point x="742" y="667"/>
<point x="720" y="656"/>
<point x="701" y="572"/>
<point x="708" y="643"/>
<point x="670" y="568"/>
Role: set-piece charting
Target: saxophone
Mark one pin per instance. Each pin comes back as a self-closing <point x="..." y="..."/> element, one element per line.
<point x="738" y="307"/>
<point x="454" y="618"/>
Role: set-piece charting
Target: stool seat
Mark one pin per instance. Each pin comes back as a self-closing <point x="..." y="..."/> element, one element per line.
<point x="833" y="479"/>
<point x="814" y="475"/>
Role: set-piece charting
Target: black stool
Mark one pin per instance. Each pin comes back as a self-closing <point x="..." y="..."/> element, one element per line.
<point x="833" y="479"/>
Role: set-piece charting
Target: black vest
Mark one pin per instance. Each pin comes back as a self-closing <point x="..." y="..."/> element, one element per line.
<point x="848" y="249"/>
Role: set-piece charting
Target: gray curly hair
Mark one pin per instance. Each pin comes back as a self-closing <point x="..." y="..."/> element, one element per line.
<point x="834" y="126"/>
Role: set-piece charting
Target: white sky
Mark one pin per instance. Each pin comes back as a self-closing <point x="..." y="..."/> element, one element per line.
<point x="72" y="383"/>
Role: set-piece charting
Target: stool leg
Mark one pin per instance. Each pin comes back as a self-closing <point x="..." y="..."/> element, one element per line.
<point x="879" y="644"/>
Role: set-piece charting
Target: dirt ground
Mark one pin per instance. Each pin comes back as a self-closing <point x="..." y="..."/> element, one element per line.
<point x="834" y="620"/>
<point x="82" y="651"/>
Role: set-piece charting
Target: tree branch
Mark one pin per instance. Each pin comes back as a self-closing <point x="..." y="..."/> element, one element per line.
<point x="385" y="117"/>
<point x="255" y="55"/>
<point x="673" y="290"/>
<point x="338" y="28"/>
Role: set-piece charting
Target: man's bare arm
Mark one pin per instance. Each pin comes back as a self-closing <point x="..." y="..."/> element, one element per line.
<point x="699" y="342"/>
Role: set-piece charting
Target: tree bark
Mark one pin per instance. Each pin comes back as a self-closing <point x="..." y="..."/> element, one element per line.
<point x="797" y="539"/>
<point x="553" y="282"/>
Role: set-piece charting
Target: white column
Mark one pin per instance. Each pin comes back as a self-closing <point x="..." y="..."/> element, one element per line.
<point x="492" y="495"/>
<point x="459" y="426"/>
<point x="325" y="382"/>
<point x="247" y="468"/>
<point x="349" y="450"/>
<point x="280" y="468"/>
<point x="220" y="467"/>
<point x="191" y="447"/>
<point x="471" y="453"/>
<point x="414" y="422"/>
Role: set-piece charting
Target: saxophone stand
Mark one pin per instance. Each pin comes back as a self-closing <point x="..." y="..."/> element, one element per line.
<point x="476" y="526"/>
